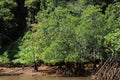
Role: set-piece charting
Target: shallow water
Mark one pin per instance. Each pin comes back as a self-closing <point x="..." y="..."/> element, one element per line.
<point x="26" y="77"/>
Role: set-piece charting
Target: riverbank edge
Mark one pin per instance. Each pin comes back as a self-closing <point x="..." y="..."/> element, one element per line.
<point x="43" y="70"/>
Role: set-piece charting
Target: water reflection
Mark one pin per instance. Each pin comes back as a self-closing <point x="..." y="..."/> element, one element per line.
<point x="26" y="77"/>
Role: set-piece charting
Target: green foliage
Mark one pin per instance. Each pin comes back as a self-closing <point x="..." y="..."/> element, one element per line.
<point x="76" y="7"/>
<point x="42" y="16"/>
<point x="6" y="16"/>
<point x="53" y="53"/>
<point x="29" y="48"/>
<point x="33" y="6"/>
<point x="112" y="15"/>
<point x="90" y="32"/>
<point x="31" y="3"/>
<point x="4" y="58"/>
<point x="12" y="50"/>
<point x="112" y="42"/>
<point x="58" y="35"/>
<point x="68" y="30"/>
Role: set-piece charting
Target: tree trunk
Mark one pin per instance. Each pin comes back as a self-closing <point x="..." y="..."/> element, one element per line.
<point x="35" y="67"/>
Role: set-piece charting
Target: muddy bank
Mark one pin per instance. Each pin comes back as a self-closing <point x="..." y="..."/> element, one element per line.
<point x="43" y="70"/>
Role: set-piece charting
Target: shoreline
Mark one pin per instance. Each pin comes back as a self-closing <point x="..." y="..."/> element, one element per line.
<point x="43" y="70"/>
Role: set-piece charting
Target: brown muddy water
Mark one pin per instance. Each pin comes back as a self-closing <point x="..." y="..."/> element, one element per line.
<point x="27" y="77"/>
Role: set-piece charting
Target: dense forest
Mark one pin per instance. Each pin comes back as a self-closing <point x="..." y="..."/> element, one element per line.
<point x="59" y="31"/>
